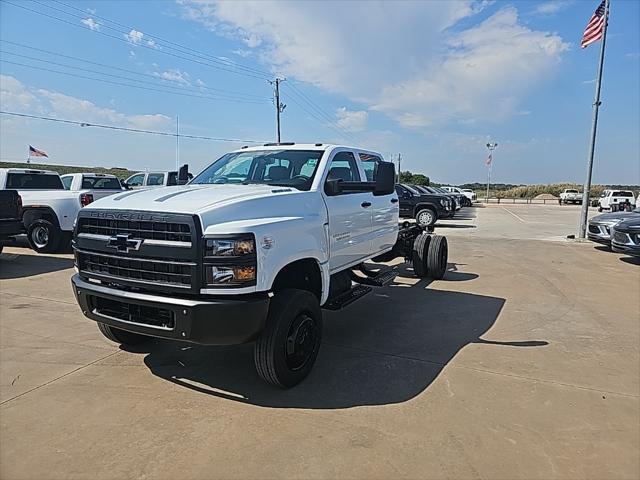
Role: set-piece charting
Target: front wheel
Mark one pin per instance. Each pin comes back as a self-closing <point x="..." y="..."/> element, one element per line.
<point x="287" y="348"/>
<point x="44" y="236"/>
<point x="426" y="217"/>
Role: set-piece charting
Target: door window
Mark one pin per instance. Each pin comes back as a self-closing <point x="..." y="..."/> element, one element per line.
<point x="155" y="179"/>
<point x="66" y="181"/>
<point x="344" y="167"/>
<point x="136" y="180"/>
<point x="370" y="165"/>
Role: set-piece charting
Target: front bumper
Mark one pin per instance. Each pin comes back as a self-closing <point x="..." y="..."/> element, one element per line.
<point x="622" y="242"/>
<point x="203" y="321"/>
<point x="599" y="233"/>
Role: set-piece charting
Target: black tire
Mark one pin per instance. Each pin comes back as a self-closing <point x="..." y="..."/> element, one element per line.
<point x="44" y="236"/>
<point x="437" y="257"/>
<point x="287" y="348"/>
<point x="121" y="336"/>
<point x="1" y="247"/>
<point x="426" y="217"/>
<point x="419" y="255"/>
<point x="599" y="209"/>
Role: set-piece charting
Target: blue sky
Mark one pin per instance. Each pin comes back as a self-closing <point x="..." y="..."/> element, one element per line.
<point x="432" y="80"/>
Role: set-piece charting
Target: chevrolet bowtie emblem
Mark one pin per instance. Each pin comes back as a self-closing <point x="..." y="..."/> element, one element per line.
<point x="124" y="243"/>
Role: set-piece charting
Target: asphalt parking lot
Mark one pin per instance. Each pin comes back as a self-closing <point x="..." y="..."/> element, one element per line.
<point x="524" y="362"/>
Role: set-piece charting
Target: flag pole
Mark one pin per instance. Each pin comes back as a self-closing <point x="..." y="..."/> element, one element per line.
<point x="584" y="213"/>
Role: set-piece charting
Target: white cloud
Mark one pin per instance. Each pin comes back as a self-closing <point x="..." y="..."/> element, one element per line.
<point x="351" y="120"/>
<point x="551" y="7"/>
<point x="151" y="43"/>
<point x="16" y="96"/>
<point x="174" y="75"/>
<point x="200" y="83"/>
<point x="134" y="36"/>
<point x="92" y="11"/>
<point x="91" y="23"/>
<point x="414" y="61"/>
<point x="242" y="52"/>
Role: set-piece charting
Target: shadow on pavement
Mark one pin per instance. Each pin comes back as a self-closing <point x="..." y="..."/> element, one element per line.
<point x="14" y="265"/>
<point x="631" y="260"/>
<point x="385" y="349"/>
<point x="454" y="225"/>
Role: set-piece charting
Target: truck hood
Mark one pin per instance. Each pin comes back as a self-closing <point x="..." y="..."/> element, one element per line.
<point x="187" y="198"/>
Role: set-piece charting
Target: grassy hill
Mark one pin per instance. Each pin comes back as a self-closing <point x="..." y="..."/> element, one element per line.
<point x="63" y="169"/>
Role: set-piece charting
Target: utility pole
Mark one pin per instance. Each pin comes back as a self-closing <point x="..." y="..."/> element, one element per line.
<point x="177" y="143"/>
<point x="279" y="105"/>
<point x="399" y="166"/>
<point x="584" y="213"/>
<point x="491" y="147"/>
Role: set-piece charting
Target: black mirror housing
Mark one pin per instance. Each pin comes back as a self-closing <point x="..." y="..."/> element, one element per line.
<point x="333" y="187"/>
<point x="183" y="175"/>
<point x="385" y="179"/>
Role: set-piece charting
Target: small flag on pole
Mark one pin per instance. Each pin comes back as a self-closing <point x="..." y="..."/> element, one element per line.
<point x="488" y="160"/>
<point x="34" y="152"/>
<point x="595" y="27"/>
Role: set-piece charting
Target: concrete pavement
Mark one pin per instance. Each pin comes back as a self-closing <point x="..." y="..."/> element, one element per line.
<point x="524" y="362"/>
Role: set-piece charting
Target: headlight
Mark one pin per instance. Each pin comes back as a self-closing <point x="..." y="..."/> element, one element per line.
<point x="443" y="202"/>
<point x="230" y="261"/>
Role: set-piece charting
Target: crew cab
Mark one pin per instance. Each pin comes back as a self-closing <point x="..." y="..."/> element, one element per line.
<point x="10" y="216"/>
<point x="613" y="199"/>
<point x="154" y="179"/>
<point x="48" y="209"/>
<point x="570" y="195"/>
<point x="426" y="208"/>
<point x="250" y="250"/>
<point x="97" y="184"/>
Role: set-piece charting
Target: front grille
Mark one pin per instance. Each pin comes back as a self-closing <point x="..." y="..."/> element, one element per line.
<point x="129" y="312"/>
<point x="169" y="273"/>
<point x="148" y="230"/>
<point x="620" y="237"/>
<point x="594" y="229"/>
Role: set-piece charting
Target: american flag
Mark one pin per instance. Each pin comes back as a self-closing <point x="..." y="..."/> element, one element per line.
<point x="488" y="160"/>
<point x="34" y="152"/>
<point x="595" y="27"/>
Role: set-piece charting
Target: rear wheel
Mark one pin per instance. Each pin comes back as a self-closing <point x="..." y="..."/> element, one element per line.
<point x="437" y="257"/>
<point x="426" y="217"/>
<point x="287" y="348"/>
<point x="44" y="236"/>
<point x="419" y="255"/>
<point x="121" y="336"/>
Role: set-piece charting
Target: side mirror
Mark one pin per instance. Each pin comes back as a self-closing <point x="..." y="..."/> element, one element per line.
<point x="183" y="175"/>
<point x="385" y="179"/>
<point x="333" y="187"/>
<point x="125" y="185"/>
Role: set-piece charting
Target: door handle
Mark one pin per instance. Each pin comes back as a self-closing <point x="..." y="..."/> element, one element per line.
<point x="394" y="200"/>
<point x="365" y="204"/>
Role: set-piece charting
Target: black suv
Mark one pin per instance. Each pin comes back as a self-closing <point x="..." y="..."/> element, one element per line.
<point x="426" y="208"/>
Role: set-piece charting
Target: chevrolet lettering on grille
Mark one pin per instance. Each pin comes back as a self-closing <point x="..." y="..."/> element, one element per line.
<point x="124" y="243"/>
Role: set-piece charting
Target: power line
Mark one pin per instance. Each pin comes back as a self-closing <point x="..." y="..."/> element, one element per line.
<point x="181" y="88"/>
<point x="169" y="42"/>
<point x="126" y="84"/>
<point x="113" y="67"/>
<point x="133" y="130"/>
<point x="164" y="52"/>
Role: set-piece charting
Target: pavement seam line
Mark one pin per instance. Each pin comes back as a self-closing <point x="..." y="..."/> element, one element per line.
<point x="60" y="377"/>
<point x="512" y="375"/>
<point x="37" y="298"/>
<point x="517" y="216"/>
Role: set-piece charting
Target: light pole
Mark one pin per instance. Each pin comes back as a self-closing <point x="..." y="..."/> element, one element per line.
<point x="491" y="147"/>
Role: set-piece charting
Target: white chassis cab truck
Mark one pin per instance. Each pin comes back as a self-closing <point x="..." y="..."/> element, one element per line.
<point x="48" y="209"/>
<point x="250" y="250"/>
<point x="98" y="184"/>
<point x="570" y="195"/>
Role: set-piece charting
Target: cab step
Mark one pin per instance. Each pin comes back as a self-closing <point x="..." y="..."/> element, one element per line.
<point x="379" y="279"/>
<point x="348" y="297"/>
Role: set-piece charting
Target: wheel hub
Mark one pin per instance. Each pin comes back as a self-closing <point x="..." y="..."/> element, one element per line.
<point x="40" y="236"/>
<point x="301" y="341"/>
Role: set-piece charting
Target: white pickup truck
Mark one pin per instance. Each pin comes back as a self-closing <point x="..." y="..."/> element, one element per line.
<point x="570" y="195"/>
<point x="251" y="249"/>
<point x="98" y="184"/>
<point x="613" y="199"/>
<point x="48" y="209"/>
<point x="155" y="179"/>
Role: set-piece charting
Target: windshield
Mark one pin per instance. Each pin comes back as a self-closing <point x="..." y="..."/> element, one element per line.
<point x="286" y="168"/>
<point x="34" y="181"/>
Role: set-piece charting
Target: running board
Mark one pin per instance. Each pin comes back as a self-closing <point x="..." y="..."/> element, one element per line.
<point x="379" y="279"/>
<point x="348" y="297"/>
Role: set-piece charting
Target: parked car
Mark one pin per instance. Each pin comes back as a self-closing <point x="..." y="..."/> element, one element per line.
<point x="459" y="199"/>
<point x="601" y="225"/>
<point x="155" y="179"/>
<point x="48" y="209"/>
<point x="570" y="195"/>
<point x="222" y="262"/>
<point x="424" y="207"/>
<point x="10" y="216"/>
<point x="463" y="198"/>
<point x="432" y="191"/>
<point x="470" y="194"/>
<point x="98" y="184"/>
<point x="614" y="199"/>
<point x="626" y="236"/>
